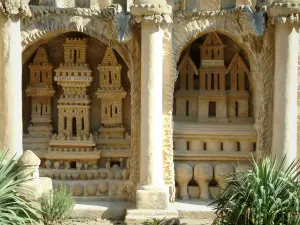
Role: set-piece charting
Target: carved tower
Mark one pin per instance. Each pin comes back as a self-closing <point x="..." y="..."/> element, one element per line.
<point x="111" y="94"/>
<point x="74" y="75"/>
<point x="40" y="90"/>
<point x="187" y="95"/>
<point x="238" y="96"/>
<point x="212" y="94"/>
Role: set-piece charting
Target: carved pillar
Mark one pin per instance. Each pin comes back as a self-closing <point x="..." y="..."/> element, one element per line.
<point x="11" y="130"/>
<point x="284" y="141"/>
<point x="152" y="193"/>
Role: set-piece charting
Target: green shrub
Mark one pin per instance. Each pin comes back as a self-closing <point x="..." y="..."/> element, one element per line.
<point x="268" y="195"/>
<point x="14" y="210"/>
<point x="56" y="205"/>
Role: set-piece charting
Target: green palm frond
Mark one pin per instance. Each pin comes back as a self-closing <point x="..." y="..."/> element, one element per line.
<point x="14" y="210"/>
<point x="269" y="195"/>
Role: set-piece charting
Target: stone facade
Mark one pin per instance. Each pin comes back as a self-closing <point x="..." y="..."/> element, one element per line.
<point x="152" y="100"/>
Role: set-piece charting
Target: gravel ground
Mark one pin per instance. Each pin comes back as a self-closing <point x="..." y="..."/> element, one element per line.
<point x="82" y="221"/>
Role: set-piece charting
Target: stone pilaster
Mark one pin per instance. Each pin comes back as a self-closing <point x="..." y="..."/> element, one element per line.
<point x="285" y="16"/>
<point x="11" y="75"/>
<point x="152" y="192"/>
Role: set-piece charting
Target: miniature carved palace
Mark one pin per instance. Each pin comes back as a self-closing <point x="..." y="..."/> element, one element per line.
<point x="149" y="101"/>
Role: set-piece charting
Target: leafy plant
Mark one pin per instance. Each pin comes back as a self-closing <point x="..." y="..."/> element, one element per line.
<point x="163" y="221"/>
<point x="56" y="205"/>
<point x="14" y="210"/>
<point x="268" y="194"/>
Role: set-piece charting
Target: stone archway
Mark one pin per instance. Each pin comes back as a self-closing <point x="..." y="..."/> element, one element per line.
<point x="232" y="23"/>
<point x="45" y="26"/>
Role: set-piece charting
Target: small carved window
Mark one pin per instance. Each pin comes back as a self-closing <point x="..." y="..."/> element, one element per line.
<point x="212" y="83"/>
<point x="237" y="81"/>
<point x="82" y="123"/>
<point x="75" y="56"/>
<point x="65" y="123"/>
<point x="212" y="109"/>
<point x="187" y="108"/>
<point x="41" y="109"/>
<point x="116" y="110"/>
<point x="41" y="77"/>
<point x="218" y="81"/>
<point x="110" y="77"/>
<point x="206" y="81"/>
<point x="74" y="128"/>
<point x="236" y="109"/>
<point x="186" y="81"/>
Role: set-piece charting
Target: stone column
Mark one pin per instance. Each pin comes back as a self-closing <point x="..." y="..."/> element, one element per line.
<point x="11" y="129"/>
<point x="152" y="192"/>
<point x="284" y="141"/>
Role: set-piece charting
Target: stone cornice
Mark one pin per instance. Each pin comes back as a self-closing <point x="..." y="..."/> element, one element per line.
<point x="152" y="13"/>
<point x="183" y="16"/>
<point x="284" y="12"/>
<point x="40" y="12"/>
<point x="11" y="8"/>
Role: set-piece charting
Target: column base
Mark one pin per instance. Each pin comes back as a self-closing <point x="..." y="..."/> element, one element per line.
<point x="148" y="197"/>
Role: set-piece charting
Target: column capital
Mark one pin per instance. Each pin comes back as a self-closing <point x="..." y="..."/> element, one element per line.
<point x="157" y="11"/>
<point x="12" y="8"/>
<point x="284" y="12"/>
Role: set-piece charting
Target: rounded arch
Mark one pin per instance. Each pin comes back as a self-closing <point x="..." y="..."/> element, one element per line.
<point x="36" y="31"/>
<point x="185" y="35"/>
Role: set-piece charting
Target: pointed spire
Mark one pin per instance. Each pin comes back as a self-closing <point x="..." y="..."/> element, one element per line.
<point x="212" y="39"/>
<point x="109" y="58"/>
<point x="41" y="57"/>
<point x="237" y="61"/>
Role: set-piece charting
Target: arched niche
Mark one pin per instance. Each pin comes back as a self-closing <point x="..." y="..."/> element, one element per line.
<point x="191" y="57"/>
<point x="95" y="53"/>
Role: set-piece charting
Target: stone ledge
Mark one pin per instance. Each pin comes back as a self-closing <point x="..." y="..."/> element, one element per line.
<point x="150" y="9"/>
<point x="138" y="216"/>
<point x="101" y="209"/>
<point x="284" y="12"/>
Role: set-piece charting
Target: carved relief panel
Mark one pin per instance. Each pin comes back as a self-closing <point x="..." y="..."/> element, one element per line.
<point x="213" y="128"/>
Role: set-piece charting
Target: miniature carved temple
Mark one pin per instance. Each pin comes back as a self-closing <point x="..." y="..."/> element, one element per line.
<point x="91" y="164"/>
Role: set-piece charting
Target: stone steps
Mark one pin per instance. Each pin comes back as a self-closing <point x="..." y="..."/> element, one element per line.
<point x="192" y="212"/>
